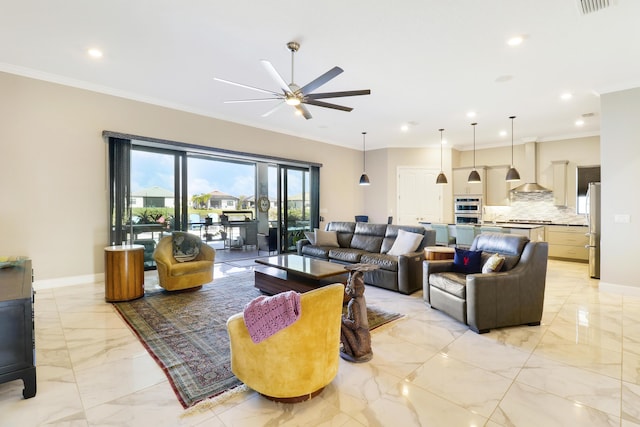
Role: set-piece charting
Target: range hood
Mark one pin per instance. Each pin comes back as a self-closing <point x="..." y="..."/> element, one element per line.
<point x="531" y="187"/>
<point x="530" y="170"/>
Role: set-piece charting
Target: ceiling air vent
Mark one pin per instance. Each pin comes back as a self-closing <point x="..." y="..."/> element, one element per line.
<point x="588" y="6"/>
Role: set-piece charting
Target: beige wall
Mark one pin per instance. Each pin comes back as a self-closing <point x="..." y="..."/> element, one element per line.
<point x="53" y="168"/>
<point x="620" y="150"/>
<point x="54" y="187"/>
<point x="381" y="198"/>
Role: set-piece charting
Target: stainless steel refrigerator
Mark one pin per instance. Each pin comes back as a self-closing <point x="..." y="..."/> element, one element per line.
<point x="593" y="217"/>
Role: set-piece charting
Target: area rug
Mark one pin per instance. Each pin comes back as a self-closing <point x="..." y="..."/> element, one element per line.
<point x="187" y="336"/>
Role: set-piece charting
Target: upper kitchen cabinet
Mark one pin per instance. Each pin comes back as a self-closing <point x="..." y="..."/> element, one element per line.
<point x="461" y="186"/>
<point x="560" y="182"/>
<point x="497" y="187"/>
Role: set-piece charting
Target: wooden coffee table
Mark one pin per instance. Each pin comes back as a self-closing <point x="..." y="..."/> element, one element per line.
<point x="297" y="273"/>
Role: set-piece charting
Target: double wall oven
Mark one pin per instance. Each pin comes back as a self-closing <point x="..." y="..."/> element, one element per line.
<point x="467" y="209"/>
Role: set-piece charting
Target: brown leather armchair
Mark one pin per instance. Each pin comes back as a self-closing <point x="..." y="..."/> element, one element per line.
<point x="296" y="363"/>
<point x="174" y="275"/>
<point x="512" y="296"/>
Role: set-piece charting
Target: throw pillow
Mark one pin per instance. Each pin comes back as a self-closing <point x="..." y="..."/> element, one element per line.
<point x="311" y="237"/>
<point x="467" y="262"/>
<point x="186" y="247"/>
<point x="405" y="242"/>
<point x="493" y="264"/>
<point x="327" y="238"/>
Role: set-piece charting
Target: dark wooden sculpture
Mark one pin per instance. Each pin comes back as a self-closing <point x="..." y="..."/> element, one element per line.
<point x="355" y="335"/>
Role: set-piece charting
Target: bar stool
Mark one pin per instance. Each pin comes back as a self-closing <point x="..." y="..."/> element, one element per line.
<point x="442" y="235"/>
<point x="465" y="235"/>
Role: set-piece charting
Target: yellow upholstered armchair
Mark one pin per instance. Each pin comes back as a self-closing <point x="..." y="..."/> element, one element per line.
<point x="296" y="363"/>
<point x="174" y="275"/>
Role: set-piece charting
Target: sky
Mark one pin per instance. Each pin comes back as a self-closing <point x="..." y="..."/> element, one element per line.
<point x="150" y="169"/>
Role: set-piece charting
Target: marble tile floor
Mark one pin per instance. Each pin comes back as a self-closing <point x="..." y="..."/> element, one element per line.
<point x="581" y="367"/>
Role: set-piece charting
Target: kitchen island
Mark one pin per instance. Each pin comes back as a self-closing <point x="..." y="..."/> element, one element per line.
<point x="535" y="232"/>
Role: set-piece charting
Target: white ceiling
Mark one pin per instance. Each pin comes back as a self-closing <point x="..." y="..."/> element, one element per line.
<point x="426" y="62"/>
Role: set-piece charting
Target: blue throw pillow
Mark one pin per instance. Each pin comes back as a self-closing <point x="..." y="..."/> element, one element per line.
<point x="467" y="262"/>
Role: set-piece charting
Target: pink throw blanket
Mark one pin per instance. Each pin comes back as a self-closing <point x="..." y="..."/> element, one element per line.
<point x="264" y="316"/>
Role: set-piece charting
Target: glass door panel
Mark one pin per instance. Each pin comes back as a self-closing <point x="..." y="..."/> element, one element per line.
<point x="153" y="199"/>
<point x="217" y="187"/>
<point x="295" y="206"/>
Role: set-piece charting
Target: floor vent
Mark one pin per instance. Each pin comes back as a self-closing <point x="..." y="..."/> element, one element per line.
<point x="588" y="6"/>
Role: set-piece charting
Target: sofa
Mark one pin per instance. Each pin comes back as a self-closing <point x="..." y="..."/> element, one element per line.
<point x="512" y="294"/>
<point x="361" y="242"/>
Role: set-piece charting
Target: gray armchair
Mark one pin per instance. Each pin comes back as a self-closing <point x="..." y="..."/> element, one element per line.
<point x="512" y="296"/>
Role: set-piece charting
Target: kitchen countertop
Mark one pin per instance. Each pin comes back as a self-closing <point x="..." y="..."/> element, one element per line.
<point x="508" y="224"/>
<point x="498" y="224"/>
<point x="517" y="225"/>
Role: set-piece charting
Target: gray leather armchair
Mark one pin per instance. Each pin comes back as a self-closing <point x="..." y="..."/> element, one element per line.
<point x="512" y="296"/>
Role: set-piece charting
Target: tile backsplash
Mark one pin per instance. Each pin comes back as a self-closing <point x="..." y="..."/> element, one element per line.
<point x="538" y="206"/>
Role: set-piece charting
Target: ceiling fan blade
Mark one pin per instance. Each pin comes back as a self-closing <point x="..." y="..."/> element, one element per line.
<point x="274" y="109"/>
<point x="327" y="105"/>
<point x="270" y="92"/>
<point x="338" y="94"/>
<point x="303" y="110"/>
<point x="238" y="101"/>
<point x="275" y="76"/>
<point x="314" y="84"/>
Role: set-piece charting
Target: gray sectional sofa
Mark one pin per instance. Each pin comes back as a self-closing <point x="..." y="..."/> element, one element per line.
<point x="360" y="242"/>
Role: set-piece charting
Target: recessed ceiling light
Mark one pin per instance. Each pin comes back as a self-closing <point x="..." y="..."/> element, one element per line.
<point x="95" y="53"/>
<point x="503" y="133"/>
<point x="579" y="122"/>
<point x="444" y="142"/>
<point x="503" y="79"/>
<point x="471" y="114"/>
<point x="404" y="128"/>
<point x="566" y="96"/>
<point x="515" y="41"/>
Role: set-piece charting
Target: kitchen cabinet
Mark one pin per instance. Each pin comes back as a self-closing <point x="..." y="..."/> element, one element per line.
<point x="568" y="242"/>
<point x="461" y="186"/>
<point x="497" y="187"/>
<point x="560" y="182"/>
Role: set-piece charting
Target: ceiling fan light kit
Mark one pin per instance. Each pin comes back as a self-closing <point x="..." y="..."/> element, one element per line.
<point x="296" y="96"/>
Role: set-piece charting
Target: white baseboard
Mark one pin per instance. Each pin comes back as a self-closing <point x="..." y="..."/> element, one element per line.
<point x="67" y="281"/>
<point x="633" y="291"/>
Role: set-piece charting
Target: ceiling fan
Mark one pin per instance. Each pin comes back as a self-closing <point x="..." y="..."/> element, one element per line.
<point x="297" y="96"/>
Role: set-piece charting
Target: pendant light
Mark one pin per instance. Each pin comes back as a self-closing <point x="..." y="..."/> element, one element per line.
<point x="512" y="174"/>
<point x="474" y="176"/>
<point x="364" y="179"/>
<point x="442" y="178"/>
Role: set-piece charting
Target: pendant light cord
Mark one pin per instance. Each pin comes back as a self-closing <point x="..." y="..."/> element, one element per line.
<point x="474" y="145"/>
<point x="512" y="117"/>
<point x="364" y="156"/>
<point x="441" y="130"/>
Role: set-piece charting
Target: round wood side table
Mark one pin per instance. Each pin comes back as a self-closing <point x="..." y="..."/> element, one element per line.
<point x="124" y="272"/>
<point x="435" y="253"/>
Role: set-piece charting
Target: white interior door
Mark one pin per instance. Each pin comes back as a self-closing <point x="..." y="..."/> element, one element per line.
<point x="419" y="197"/>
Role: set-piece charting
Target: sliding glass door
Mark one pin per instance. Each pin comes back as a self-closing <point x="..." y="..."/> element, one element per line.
<point x="295" y="206"/>
<point x="158" y="187"/>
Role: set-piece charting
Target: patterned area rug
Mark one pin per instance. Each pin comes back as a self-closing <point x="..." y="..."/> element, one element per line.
<point x="186" y="333"/>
